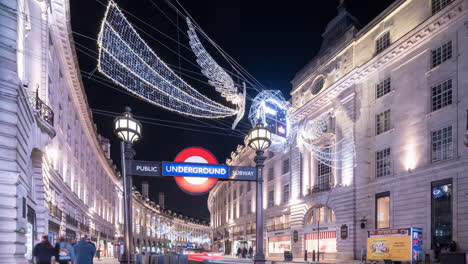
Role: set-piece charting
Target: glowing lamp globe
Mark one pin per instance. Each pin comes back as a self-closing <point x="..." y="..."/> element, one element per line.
<point x="259" y="138"/>
<point x="127" y="128"/>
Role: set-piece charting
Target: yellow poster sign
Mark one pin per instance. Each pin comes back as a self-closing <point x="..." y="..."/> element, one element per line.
<point x="392" y="246"/>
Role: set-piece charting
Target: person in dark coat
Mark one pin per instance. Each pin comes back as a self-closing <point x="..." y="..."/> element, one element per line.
<point x="84" y="252"/>
<point x="44" y="251"/>
<point x="244" y="252"/>
<point x="250" y="252"/>
<point x="238" y="252"/>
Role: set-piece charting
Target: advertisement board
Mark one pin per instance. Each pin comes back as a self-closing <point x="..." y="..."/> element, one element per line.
<point x="404" y="244"/>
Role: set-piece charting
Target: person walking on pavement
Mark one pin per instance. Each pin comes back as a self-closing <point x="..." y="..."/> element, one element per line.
<point x="244" y="252"/>
<point x="250" y="252"/>
<point x="44" y="251"/>
<point x="84" y="252"/>
<point x="65" y="252"/>
<point x="98" y="254"/>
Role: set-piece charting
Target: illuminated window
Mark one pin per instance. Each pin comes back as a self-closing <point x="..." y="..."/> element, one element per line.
<point x="382" y="122"/>
<point x="383" y="88"/>
<point x="441" y="54"/>
<point x="317" y="86"/>
<point x="271" y="198"/>
<point x="382" y="42"/>
<point x="324" y="173"/>
<point x="383" y="163"/>
<point x="441" y="212"/>
<point x="382" y="210"/>
<point x="441" y="95"/>
<point x="438" y="5"/>
<point x="285" y="166"/>
<point x="442" y="144"/>
<point x="286" y="193"/>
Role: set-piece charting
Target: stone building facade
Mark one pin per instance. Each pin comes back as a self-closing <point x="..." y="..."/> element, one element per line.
<point x="397" y="87"/>
<point x="56" y="175"/>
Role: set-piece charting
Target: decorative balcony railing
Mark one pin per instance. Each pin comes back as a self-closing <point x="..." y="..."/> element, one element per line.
<point x="251" y="231"/>
<point x="71" y="220"/>
<point x="320" y="188"/>
<point x="55" y="211"/>
<point x="84" y="228"/>
<point x="277" y="227"/>
<point x="46" y="113"/>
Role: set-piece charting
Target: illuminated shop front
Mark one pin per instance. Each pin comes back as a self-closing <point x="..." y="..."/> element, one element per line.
<point x="279" y="244"/>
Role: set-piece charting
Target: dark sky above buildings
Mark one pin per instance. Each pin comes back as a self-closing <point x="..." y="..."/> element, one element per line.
<point x="271" y="39"/>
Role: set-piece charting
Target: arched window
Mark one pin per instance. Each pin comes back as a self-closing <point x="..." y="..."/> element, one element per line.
<point x="324" y="213"/>
<point x="317" y="85"/>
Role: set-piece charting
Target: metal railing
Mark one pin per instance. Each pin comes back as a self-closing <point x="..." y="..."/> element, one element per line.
<point x="320" y="188"/>
<point x="71" y="220"/>
<point x="55" y="211"/>
<point x="46" y="113"/>
<point x="277" y="227"/>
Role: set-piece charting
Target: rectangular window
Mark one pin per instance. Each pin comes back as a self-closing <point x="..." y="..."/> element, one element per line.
<point x="383" y="163"/>
<point x="441" y="212"/>
<point x="249" y="206"/>
<point x="382" y="210"/>
<point x="438" y="5"/>
<point x="249" y="186"/>
<point x="383" y="88"/>
<point x="271" y="198"/>
<point x="271" y="173"/>
<point x="382" y="122"/>
<point x="324" y="173"/>
<point x="286" y="193"/>
<point x="441" y="95"/>
<point x="234" y="195"/>
<point x="382" y="42"/>
<point x="442" y="144"/>
<point x="241" y="209"/>
<point x="285" y="166"/>
<point x="241" y="190"/>
<point x="441" y="54"/>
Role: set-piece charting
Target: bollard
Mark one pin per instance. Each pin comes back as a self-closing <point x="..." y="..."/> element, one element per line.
<point x="313" y="255"/>
<point x="305" y="255"/>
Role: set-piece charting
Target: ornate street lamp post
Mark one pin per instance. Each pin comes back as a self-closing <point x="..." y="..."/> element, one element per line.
<point x="128" y="130"/>
<point x="259" y="139"/>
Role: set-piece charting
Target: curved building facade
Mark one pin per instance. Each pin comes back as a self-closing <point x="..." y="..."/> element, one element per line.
<point x="397" y="88"/>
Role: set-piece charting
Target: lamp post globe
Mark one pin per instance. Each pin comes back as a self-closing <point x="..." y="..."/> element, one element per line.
<point x="259" y="139"/>
<point x="127" y="128"/>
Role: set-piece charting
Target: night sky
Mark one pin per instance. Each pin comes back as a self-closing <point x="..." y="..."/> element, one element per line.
<point x="273" y="40"/>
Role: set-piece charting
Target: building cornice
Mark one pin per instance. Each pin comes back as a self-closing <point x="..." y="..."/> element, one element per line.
<point x="61" y="27"/>
<point x="407" y="42"/>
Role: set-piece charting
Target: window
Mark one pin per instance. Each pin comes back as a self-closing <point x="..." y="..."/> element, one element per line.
<point x="271" y="173"/>
<point x="382" y="210"/>
<point x="234" y="195"/>
<point x="324" y="174"/>
<point x="438" y="5"/>
<point x="441" y="212"/>
<point x="442" y="145"/>
<point x="249" y="206"/>
<point x="285" y="166"/>
<point x="441" y="95"/>
<point x="241" y="209"/>
<point x="383" y="163"/>
<point x="241" y="190"/>
<point x="441" y="54"/>
<point x="382" y="122"/>
<point x="382" y="42"/>
<point x="318" y="85"/>
<point x="271" y="198"/>
<point x="249" y="186"/>
<point x="286" y="193"/>
<point x="383" y="88"/>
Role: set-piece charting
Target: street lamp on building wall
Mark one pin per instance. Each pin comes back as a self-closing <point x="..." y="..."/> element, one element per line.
<point x="128" y="129"/>
<point x="259" y="139"/>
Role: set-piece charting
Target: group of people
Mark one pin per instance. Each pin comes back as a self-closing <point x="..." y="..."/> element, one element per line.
<point x="242" y="252"/>
<point x="64" y="253"/>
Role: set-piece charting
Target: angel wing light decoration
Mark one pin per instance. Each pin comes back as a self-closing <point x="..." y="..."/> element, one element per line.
<point x="216" y="75"/>
<point x="126" y="58"/>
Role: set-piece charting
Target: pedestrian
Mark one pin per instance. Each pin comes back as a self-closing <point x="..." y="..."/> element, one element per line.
<point x="65" y="252"/>
<point x="98" y="254"/>
<point x="238" y="252"/>
<point x="250" y="252"/>
<point x="44" y="251"/>
<point x="244" y="252"/>
<point x="139" y="258"/>
<point x="84" y="252"/>
<point x="453" y="246"/>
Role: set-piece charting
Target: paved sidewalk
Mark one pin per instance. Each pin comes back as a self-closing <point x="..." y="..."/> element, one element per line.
<point x="106" y="261"/>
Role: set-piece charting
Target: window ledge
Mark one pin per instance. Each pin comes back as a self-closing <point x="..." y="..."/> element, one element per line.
<point x="385" y="95"/>
<point x="435" y="112"/>
<point x="383" y="177"/>
<point x="386" y="132"/>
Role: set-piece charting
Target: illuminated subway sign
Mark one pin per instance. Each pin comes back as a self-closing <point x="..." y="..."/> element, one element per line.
<point x="195" y="170"/>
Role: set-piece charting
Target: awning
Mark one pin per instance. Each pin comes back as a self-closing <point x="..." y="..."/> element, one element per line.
<point x="323" y="235"/>
<point x="279" y="238"/>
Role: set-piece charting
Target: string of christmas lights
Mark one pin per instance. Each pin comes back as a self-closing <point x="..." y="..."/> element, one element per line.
<point x="126" y="59"/>
<point x="337" y="154"/>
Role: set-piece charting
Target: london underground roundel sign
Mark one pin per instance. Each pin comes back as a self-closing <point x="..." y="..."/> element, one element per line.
<point x="195" y="185"/>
